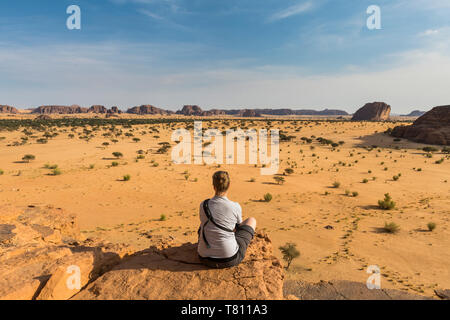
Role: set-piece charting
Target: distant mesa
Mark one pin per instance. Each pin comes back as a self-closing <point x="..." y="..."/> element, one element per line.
<point x="194" y="110"/>
<point x="97" y="109"/>
<point x="8" y="109"/>
<point x="148" y="109"/>
<point x="248" y="113"/>
<point x="60" y="109"/>
<point x="432" y="128"/>
<point x="375" y="111"/>
<point x="415" y="113"/>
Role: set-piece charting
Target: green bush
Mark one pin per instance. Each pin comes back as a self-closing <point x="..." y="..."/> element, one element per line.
<point x="431" y="226"/>
<point x="391" y="227"/>
<point x="279" y="180"/>
<point x="126" y="177"/>
<point x="267" y="197"/>
<point x="386" y="203"/>
<point x="163" y="217"/>
<point x="117" y="154"/>
<point x="336" y="184"/>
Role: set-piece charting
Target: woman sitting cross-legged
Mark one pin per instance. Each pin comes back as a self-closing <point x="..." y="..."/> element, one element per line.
<point x="223" y="236"/>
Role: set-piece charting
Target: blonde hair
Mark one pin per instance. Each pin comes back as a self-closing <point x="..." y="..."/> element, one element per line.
<point x="221" y="181"/>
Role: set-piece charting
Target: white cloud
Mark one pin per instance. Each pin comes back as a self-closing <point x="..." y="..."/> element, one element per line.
<point x="293" y="10"/>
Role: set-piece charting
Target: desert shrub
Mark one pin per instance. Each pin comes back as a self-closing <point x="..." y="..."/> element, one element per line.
<point x="289" y="252"/>
<point x="126" y="177"/>
<point x="155" y="164"/>
<point x="391" y="227"/>
<point x="1" y="172"/>
<point x="289" y="170"/>
<point x="347" y="192"/>
<point x="163" y="217"/>
<point x="365" y="181"/>
<point x="136" y="140"/>
<point x="114" y="164"/>
<point x="446" y="150"/>
<point x="42" y="141"/>
<point x="28" y="157"/>
<point x="439" y="161"/>
<point x="117" y="154"/>
<point x="430" y="149"/>
<point x="186" y="176"/>
<point x="336" y="184"/>
<point x="279" y="180"/>
<point x="91" y="166"/>
<point x="56" y="172"/>
<point x="267" y="197"/>
<point x="386" y="203"/>
<point x="355" y="193"/>
<point x="252" y="179"/>
<point x="395" y="178"/>
<point x="431" y="226"/>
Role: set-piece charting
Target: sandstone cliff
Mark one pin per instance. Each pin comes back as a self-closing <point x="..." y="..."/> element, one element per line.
<point x="433" y="127"/>
<point x="7" y="109"/>
<point x="375" y="111"/>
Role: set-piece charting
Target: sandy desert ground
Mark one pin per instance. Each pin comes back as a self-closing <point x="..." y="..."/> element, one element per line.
<point x="338" y="234"/>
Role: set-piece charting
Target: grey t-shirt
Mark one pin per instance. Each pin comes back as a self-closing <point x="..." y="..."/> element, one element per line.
<point x="222" y="243"/>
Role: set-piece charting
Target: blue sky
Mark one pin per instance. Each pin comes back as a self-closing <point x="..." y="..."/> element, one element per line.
<point x="228" y="53"/>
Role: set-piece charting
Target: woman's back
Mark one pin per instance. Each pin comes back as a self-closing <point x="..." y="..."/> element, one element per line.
<point x="222" y="243"/>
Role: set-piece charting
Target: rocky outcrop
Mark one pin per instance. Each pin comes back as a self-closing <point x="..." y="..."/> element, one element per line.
<point x="8" y="109"/>
<point x="97" y="109"/>
<point x="415" y="113"/>
<point x="190" y="110"/>
<point x="172" y="271"/>
<point x="248" y="113"/>
<point x="114" y="110"/>
<point x="41" y="248"/>
<point x="431" y="128"/>
<point x="74" y="109"/>
<point x="344" y="290"/>
<point x="147" y="109"/>
<point x="375" y="111"/>
<point x="43" y="256"/>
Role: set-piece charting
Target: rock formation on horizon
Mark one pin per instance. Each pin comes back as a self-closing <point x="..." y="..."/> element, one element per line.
<point x="74" y="109"/>
<point x="248" y="113"/>
<point x="147" y="109"/>
<point x="8" y="109"/>
<point x="97" y="109"/>
<point x="431" y="128"/>
<point x="415" y="113"/>
<point x="375" y="111"/>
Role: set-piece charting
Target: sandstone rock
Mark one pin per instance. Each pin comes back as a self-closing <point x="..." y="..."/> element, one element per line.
<point x="343" y="290"/>
<point x="147" y="109"/>
<point x="74" y="109"/>
<point x="443" y="294"/>
<point x="38" y="243"/>
<point x="174" y="272"/>
<point x="97" y="109"/>
<point x="431" y="128"/>
<point x="191" y="110"/>
<point x="8" y="109"/>
<point x="376" y="111"/>
<point x="248" y="113"/>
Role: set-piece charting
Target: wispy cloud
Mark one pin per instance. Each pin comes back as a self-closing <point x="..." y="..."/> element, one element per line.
<point x="293" y="10"/>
